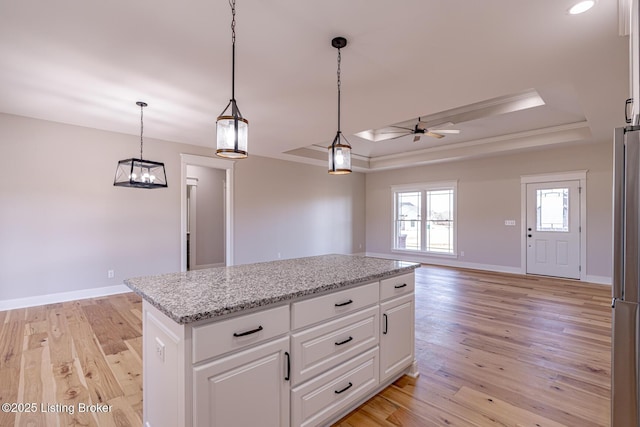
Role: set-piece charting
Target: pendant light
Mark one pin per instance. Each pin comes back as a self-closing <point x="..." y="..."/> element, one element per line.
<point x="340" y="149"/>
<point x="232" y="131"/>
<point x="139" y="173"/>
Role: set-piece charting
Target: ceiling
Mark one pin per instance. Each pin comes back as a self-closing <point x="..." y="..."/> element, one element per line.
<point x="87" y="63"/>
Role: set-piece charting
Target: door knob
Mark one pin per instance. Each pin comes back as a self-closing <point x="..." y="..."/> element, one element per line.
<point x="528" y="235"/>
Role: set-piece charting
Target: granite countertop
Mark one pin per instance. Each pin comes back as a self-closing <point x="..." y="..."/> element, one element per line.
<point x="201" y="294"/>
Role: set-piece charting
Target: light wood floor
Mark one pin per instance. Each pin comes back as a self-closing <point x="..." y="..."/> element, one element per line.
<point x="493" y="350"/>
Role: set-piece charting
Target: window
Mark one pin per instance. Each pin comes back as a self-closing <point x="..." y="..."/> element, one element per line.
<point x="424" y="218"/>
<point x="552" y="210"/>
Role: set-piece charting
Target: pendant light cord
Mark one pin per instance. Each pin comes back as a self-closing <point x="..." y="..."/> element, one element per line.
<point x="232" y="3"/>
<point x="141" y="129"/>
<point x="339" y="82"/>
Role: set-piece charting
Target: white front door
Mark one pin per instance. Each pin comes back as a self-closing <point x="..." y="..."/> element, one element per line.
<point x="553" y="229"/>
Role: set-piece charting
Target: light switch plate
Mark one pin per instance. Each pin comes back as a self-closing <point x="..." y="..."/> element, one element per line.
<point x="510" y="222"/>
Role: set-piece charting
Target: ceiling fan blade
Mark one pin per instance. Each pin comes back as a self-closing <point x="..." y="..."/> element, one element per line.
<point x="434" y="135"/>
<point x="447" y="131"/>
<point x="403" y="132"/>
<point x="401" y="127"/>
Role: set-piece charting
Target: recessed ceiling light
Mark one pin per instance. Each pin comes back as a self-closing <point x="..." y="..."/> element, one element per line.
<point x="581" y="7"/>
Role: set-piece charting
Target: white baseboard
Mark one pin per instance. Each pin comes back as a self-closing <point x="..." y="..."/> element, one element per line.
<point x="601" y="280"/>
<point x="11" y="304"/>
<point x="449" y="262"/>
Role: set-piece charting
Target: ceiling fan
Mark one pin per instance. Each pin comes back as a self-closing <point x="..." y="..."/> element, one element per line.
<point x="420" y="129"/>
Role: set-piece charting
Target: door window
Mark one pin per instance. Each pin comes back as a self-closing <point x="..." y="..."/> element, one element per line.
<point x="552" y="210"/>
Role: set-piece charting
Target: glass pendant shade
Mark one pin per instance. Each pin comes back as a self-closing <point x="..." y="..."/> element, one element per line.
<point x="339" y="156"/>
<point x="339" y="151"/>
<point x="232" y="137"/>
<point x="140" y="173"/>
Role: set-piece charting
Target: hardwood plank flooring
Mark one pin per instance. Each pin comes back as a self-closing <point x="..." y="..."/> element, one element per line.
<point x="57" y="357"/>
<point x="493" y="350"/>
<point x="502" y="350"/>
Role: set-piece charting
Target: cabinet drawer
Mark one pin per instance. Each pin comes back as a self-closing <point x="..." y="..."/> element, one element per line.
<point x="308" y="312"/>
<point x="323" y="397"/>
<point x="325" y="346"/>
<point x="217" y="338"/>
<point x="396" y="286"/>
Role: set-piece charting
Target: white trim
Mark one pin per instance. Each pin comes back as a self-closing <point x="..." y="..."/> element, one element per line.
<point x="440" y="185"/>
<point x="600" y="280"/>
<point x="211" y="162"/>
<point x="448" y="262"/>
<point x="425" y="254"/>
<point x="579" y="175"/>
<point x="11" y="304"/>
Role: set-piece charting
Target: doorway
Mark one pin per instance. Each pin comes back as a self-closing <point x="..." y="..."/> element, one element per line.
<point x="206" y="231"/>
<point x="553" y="217"/>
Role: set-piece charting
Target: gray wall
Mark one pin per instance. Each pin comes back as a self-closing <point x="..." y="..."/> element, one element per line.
<point x="489" y="193"/>
<point x="63" y="224"/>
<point x="209" y="216"/>
<point x="288" y="210"/>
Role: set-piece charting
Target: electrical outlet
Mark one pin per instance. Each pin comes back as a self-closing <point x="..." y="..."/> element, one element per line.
<point x="160" y="349"/>
<point x="110" y="274"/>
<point x="461" y="254"/>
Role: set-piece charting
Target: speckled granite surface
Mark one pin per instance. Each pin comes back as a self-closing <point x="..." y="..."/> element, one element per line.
<point x="201" y="294"/>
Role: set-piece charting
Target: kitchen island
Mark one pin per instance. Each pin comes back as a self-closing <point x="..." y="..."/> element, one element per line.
<point x="296" y="342"/>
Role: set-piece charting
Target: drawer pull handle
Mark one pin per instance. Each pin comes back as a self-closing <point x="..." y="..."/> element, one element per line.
<point x="342" y="304"/>
<point x="386" y="325"/>
<point x="345" y="341"/>
<point x="286" y="378"/>
<point x="243" y="334"/>
<point x="344" y="389"/>
<point x="400" y="286"/>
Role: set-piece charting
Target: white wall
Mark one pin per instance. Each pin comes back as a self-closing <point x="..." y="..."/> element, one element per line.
<point x="488" y="194"/>
<point x="63" y="224"/>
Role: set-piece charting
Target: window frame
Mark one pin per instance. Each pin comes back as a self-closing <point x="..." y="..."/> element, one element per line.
<point x="423" y="188"/>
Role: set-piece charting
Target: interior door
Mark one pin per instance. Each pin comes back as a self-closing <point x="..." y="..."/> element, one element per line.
<point x="553" y="229"/>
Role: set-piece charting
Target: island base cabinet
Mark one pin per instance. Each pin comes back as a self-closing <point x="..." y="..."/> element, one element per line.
<point x="248" y="388"/>
<point x="320" y="399"/>
<point x="397" y="335"/>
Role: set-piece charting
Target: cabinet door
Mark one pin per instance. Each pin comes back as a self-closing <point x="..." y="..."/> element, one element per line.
<point x="249" y="388"/>
<point x="397" y="335"/>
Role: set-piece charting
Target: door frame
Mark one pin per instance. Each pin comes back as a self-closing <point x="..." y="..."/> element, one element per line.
<point x="579" y="175"/>
<point x="210" y="162"/>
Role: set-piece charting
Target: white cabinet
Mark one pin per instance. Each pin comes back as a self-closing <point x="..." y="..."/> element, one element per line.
<point x="329" y="393"/>
<point x="324" y="346"/>
<point x="248" y="388"/>
<point x="306" y="363"/>
<point x="397" y="335"/>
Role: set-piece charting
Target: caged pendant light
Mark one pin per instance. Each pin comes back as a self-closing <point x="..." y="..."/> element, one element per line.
<point x="340" y="149"/>
<point x="232" y="130"/>
<point x="139" y="173"/>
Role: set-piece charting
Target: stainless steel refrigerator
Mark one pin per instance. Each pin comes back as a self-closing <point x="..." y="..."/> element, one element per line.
<point x="626" y="278"/>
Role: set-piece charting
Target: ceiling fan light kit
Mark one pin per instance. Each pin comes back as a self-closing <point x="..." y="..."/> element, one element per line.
<point x="139" y="173"/>
<point x="340" y="149"/>
<point x="232" y="131"/>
